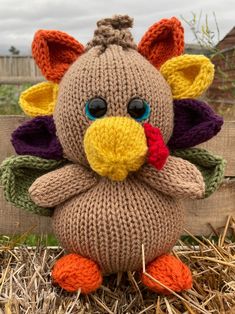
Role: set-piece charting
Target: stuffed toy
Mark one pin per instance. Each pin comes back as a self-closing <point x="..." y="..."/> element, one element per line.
<point x="109" y="152"/>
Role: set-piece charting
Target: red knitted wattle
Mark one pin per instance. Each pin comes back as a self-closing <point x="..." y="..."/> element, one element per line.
<point x="157" y="150"/>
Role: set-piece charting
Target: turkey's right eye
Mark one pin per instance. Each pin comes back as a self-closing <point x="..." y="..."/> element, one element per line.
<point x="96" y="108"/>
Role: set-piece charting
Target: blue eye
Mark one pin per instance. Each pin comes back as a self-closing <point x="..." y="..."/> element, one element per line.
<point x="138" y="109"/>
<point x="96" y="108"/>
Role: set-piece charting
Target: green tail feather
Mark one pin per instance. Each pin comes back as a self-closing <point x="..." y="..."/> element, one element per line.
<point x="17" y="173"/>
<point x="211" y="166"/>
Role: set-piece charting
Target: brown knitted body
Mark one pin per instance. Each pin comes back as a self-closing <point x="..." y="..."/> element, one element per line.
<point x="111" y="221"/>
<point x="110" y="201"/>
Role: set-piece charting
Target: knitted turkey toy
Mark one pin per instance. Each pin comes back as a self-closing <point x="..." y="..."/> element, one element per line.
<point x="108" y="154"/>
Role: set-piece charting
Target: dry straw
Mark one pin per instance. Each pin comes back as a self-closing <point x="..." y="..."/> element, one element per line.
<point x="25" y="284"/>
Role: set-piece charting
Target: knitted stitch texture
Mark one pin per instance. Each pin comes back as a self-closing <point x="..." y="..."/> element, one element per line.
<point x="171" y="272"/>
<point x="39" y="99"/>
<point x="117" y="75"/>
<point x="113" y="31"/>
<point x="54" y="51"/>
<point x="111" y="221"/>
<point x="211" y="167"/>
<point x="162" y="41"/>
<point x="106" y="220"/>
<point x="179" y="178"/>
<point x="73" y="272"/>
<point x="17" y="173"/>
<point x="105" y="144"/>
<point x="48" y="193"/>
<point x="157" y="150"/>
<point x="194" y="123"/>
<point x="37" y="137"/>
<point x="188" y="75"/>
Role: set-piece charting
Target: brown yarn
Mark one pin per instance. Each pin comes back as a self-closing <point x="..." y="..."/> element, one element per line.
<point x="46" y="191"/>
<point x="103" y="220"/>
<point x="117" y="76"/>
<point x="111" y="221"/>
<point x="113" y="31"/>
<point x="179" y="179"/>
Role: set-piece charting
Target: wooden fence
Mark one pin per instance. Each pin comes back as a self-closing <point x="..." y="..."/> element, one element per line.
<point x="199" y="213"/>
<point x="19" y="70"/>
<point x="22" y="69"/>
<point x="222" y="90"/>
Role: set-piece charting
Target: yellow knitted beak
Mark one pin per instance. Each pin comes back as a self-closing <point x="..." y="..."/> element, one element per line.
<point x="114" y="146"/>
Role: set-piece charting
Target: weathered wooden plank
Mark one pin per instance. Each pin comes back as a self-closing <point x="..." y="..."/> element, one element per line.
<point x="7" y="125"/>
<point x="18" y="66"/>
<point x="199" y="213"/>
<point x="214" y="210"/>
<point x="17" y="80"/>
<point x="223" y="144"/>
<point x="18" y="221"/>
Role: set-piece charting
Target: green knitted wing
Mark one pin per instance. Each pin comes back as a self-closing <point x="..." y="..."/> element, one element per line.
<point x="211" y="166"/>
<point x="17" y="173"/>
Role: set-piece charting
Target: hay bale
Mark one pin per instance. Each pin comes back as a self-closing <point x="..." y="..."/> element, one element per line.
<point x="26" y="287"/>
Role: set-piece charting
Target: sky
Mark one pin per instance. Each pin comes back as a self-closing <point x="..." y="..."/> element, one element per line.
<point x="19" y="19"/>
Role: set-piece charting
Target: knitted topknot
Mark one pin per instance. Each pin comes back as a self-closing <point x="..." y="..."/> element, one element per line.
<point x="113" y="31"/>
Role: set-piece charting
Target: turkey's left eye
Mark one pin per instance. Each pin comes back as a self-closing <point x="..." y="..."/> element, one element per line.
<point x="96" y="108"/>
<point x="138" y="109"/>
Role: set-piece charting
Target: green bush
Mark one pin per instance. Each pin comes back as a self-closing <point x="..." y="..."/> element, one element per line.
<point x="9" y="97"/>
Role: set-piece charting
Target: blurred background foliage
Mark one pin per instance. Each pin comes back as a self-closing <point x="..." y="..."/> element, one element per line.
<point x="9" y="97"/>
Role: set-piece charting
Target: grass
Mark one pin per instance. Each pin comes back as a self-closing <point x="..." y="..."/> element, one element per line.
<point x="29" y="240"/>
<point x="26" y="287"/>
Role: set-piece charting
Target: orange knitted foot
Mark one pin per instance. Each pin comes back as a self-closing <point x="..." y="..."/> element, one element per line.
<point x="73" y="272"/>
<point x="171" y="272"/>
